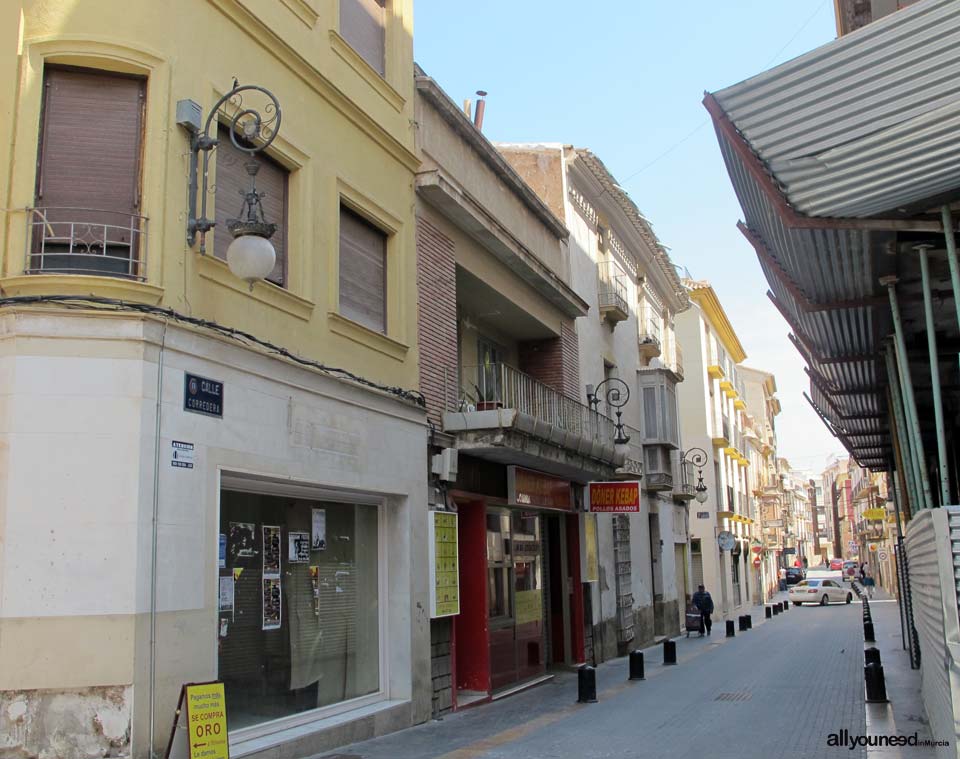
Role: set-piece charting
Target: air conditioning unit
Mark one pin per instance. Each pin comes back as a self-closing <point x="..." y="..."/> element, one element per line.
<point x="444" y="464"/>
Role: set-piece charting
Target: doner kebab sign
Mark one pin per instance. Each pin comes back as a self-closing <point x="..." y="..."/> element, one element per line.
<point x="613" y="497"/>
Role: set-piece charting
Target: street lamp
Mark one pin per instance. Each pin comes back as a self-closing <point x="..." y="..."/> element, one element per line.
<point x="616" y="393"/>
<point x="697" y="457"/>
<point x="251" y="255"/>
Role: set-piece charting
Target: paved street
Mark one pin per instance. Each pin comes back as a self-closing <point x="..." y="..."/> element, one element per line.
<point x="775" y="691"/>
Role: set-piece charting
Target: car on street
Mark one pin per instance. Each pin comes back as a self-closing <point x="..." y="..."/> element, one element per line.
<point x="794" y="575"/>
<point x="850" y="571"/>
<point x="819" y="591"/>
<point x="836" y="564"/>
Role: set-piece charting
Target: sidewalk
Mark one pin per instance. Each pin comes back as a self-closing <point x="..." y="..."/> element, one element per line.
<point x="905" y="714"/>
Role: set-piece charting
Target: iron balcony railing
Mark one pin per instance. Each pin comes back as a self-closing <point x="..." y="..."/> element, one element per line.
<point x="501" y="386"/>
<point x="649" y="326"/>
<point x="94" y="241"/>
<point x="612" y="288"/>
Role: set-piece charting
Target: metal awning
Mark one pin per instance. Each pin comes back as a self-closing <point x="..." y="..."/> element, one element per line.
<point x="840" y="160"/>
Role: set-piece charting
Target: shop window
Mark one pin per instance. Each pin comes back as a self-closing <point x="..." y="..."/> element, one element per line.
<point x="233" y="182"/>
<point x="299" y="605"/>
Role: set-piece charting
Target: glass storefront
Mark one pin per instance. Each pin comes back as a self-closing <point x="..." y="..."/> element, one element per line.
<point x="515" y="596"/>
<point x="299" y="606"/>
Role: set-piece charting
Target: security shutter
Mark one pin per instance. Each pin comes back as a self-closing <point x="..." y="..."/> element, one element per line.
<point x="88" y="167"/>
<point x="362" y="25"/>
<point x="233" y="182"/>
<point x="363" y="288"/>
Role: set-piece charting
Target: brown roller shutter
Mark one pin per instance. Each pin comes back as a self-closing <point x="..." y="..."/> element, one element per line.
<point x="362" y="25"/>
<point x="89" y="158"/>
<point x="233" y="183"/>
<point x="363" y="288"/>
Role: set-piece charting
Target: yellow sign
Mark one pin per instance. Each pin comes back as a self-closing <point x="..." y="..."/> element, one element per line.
<point x="207" y="721"/>
<point x="591" y="566"/>
<point x="528" y="606"/>
<point x="445" y="565"/>
<point x="875" y="515"/>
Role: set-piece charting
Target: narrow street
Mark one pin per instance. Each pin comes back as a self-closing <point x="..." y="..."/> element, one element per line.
<point x="799" y="675"/>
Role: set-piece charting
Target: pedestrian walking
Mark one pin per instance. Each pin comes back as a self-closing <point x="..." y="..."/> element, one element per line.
<point x="863" y="572"/>
<point x="869" y="583"/>
<point x="704" y="604"/>
<point x="806" y="563"/>
<point x="782" y="575"/>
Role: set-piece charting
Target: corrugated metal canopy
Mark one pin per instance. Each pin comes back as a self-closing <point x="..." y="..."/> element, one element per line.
<point x="863" y="125"/>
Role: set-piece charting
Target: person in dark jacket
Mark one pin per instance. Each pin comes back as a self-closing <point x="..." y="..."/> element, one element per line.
<point x="704" y="603"/>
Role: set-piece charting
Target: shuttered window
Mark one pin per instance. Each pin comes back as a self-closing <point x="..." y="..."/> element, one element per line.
<point x="363" y="270"/>
<point x="88" y="178"/>
<point x="233" y="181"/>
<point x="362" y="25"/>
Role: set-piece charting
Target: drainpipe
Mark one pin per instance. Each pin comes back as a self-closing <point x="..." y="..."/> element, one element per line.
<point x="909" y="400"/>
<point x="924" y="251"/>
<point x="154" y="539"/>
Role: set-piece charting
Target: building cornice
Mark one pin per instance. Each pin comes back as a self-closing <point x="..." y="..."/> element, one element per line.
<point x="428" y="88"/>
<point x="704" y="296"/>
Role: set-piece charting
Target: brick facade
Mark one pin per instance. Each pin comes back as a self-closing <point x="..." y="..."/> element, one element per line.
<point x="554" y="361"/>
<point x="436" y="314"/>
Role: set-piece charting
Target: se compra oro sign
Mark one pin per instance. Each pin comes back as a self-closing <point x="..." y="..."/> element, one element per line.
<point x="616" y="497"/>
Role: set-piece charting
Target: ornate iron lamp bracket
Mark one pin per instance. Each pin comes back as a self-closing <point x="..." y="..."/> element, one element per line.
<point x="252" y="130"/>
<point x="616" y="393"/>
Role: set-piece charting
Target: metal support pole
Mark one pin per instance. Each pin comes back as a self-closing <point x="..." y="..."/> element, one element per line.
<point x="952" y="258"/>
<point x="907" y="461"/>
<point x="909" y="400"/>
<point x="944" y="473"/>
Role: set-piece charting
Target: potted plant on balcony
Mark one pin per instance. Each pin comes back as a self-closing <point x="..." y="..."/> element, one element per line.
<point x="488" y="398"/>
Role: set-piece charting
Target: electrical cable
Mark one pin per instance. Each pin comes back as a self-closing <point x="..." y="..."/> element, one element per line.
<point x="114" y="305"/>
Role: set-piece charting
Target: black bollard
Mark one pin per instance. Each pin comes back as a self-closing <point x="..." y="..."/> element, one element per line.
<point x="776" y="609"/>
<point x="586" y="685"/>
<point x="742" y="622"/>
<point x="868" y="632"/>
<point x="669" y="652"/>
<point x="786" y="604"/>
<point x="767" y="612"/>
<point x="749" y="618"/>
<point x="871" y="655"/>
<point x="636" y="665"/>
<point x="876" y="687"/>
<point x="730" y="631"/>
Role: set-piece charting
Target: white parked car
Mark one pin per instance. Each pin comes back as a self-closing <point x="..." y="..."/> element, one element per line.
<point x="819" y="591"/>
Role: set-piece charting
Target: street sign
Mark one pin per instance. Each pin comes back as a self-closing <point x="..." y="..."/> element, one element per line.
<point x="874" y="515"/>
<point x="873" y="547"/>
<point x="852" y="545"/>
<point x="202" y="395"/>
<point x="725" y="540"/>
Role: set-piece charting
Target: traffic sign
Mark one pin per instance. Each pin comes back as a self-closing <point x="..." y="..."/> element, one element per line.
<point x="726" y="540"/>
<point x="882" y="555"/>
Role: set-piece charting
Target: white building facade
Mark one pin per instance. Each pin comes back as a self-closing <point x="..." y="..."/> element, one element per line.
<point x="712" y="400"/>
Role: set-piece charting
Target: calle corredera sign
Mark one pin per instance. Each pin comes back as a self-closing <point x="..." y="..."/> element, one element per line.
<point x="613" y="497"/>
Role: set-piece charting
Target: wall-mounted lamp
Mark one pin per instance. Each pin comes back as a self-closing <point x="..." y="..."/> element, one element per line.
<point x="697" y="457"/>
<point x="251" y="255"/>
<point x="616" y="393"/>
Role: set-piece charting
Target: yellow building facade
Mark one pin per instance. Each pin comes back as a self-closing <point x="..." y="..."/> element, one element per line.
<point x="203" y="479"/>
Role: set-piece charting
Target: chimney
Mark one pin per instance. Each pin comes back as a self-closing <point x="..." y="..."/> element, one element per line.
<point x="468" y="108"/>
<point x="481" y="107"/>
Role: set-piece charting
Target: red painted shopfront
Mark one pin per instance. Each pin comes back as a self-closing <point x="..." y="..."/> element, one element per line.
<point x="521" y="595"/>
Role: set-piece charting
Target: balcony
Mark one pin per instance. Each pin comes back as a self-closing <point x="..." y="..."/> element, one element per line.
<point x="86" y="241"/>
<point x="501" y="414"/>
<point x="684" y="488"/>
<point x="658" y="474"/>
<point x="650" y="340"/>
<point x="612" y="292"/>
<point x="676" y="366"/>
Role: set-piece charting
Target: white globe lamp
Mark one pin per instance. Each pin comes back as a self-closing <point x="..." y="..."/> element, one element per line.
<point x="251" y="257"/>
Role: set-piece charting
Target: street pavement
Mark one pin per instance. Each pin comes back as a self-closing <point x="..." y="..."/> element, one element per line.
<point x="778" y="690"/>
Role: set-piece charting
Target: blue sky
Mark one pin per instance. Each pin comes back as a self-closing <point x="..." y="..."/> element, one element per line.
<point x="626" y="80"/>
